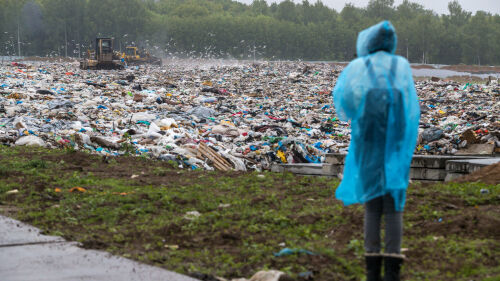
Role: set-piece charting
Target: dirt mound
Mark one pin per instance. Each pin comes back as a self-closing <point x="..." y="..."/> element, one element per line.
<point x="469" y="222"/>
<point x="422" y="66"/>
<point x="489" y="174"/>
<point x="473" y="68"/>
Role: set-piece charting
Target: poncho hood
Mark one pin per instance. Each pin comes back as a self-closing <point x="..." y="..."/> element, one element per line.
<point x="380" y="37"/>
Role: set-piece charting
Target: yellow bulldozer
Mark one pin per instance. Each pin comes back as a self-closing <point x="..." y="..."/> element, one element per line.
<point x="133" y="56"/>
<point x="103" y="56"/>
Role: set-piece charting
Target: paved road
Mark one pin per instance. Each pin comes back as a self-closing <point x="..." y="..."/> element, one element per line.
<point x="27" y="255"/>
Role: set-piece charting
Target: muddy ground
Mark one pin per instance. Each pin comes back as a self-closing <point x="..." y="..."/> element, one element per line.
<point x="135" y="207"/>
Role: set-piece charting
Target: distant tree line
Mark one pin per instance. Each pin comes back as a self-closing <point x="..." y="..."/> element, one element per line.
<point x="229" y="29"/>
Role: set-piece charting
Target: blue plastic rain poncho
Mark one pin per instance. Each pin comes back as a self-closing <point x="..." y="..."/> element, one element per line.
<point x="376" y="92"/>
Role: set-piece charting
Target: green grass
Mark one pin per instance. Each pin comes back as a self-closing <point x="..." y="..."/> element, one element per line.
<point x="244" y="218"/>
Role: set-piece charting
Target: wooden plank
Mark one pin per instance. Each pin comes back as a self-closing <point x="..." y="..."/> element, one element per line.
<point x="206" y="154"/>
<point x="219" y="162"/>
<point x="217" y="159"/>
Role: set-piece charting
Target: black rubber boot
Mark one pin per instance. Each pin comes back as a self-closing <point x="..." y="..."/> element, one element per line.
<point x="373" y="267"/>
<point x="392" y="266"/>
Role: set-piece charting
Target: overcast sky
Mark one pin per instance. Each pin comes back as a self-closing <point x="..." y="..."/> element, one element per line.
<point x="439" y="6"/>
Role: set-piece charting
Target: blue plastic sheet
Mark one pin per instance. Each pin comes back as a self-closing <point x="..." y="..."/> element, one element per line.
<point x="376" y="93"/>
<point x="288" y="251"/>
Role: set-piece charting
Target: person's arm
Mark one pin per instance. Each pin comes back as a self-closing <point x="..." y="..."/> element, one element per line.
<point x="343" y="97"/>
<point x="412" y="102"/>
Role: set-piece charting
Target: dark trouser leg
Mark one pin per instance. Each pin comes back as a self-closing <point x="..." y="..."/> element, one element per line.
<point x="373" y="258"/>
<point x="393" y="226"/>
<point x="393" y="235"/>
<point x="373" y="215"/>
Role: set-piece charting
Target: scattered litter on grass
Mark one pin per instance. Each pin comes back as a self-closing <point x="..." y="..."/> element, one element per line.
<point x="77" y="188"/>
<point x="288" y="251"/>
<point x="171" y="247"/>
<point x="269" y="275"/>
<point x="192" y="215"/>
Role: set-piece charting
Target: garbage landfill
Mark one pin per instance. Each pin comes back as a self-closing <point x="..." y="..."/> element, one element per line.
<point x="458" y="118"/>
<point x="242" y="116"/>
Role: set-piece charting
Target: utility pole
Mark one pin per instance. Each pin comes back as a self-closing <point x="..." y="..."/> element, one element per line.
<point x="65" y="41"/>
<point x="18" y="41"/>
<point x="254" y="51"/>
<point x="78" y="44"/>
<point x="406" y="48"/>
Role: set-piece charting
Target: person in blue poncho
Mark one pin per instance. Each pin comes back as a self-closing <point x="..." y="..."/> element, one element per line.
<point x="376" y="93"/>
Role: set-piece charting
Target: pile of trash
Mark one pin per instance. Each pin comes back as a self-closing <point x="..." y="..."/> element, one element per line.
<point x="459" y="119"/>
<point x="242" y="116"/>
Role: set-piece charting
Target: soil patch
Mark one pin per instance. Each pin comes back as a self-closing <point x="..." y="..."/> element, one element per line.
<point x="489" y="174"/>
<point x="422" y="66"/>
<point x="472" y="222"/>
<point x="142" y="171"/>
<point x="473" y="68"/>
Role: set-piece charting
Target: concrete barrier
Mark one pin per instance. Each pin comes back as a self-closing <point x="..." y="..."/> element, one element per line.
<point x="459" y="168"/>
<point x="423" y="167"/>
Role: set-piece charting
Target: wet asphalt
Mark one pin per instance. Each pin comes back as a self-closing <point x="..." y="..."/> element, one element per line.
<point x="27" y="255"/>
